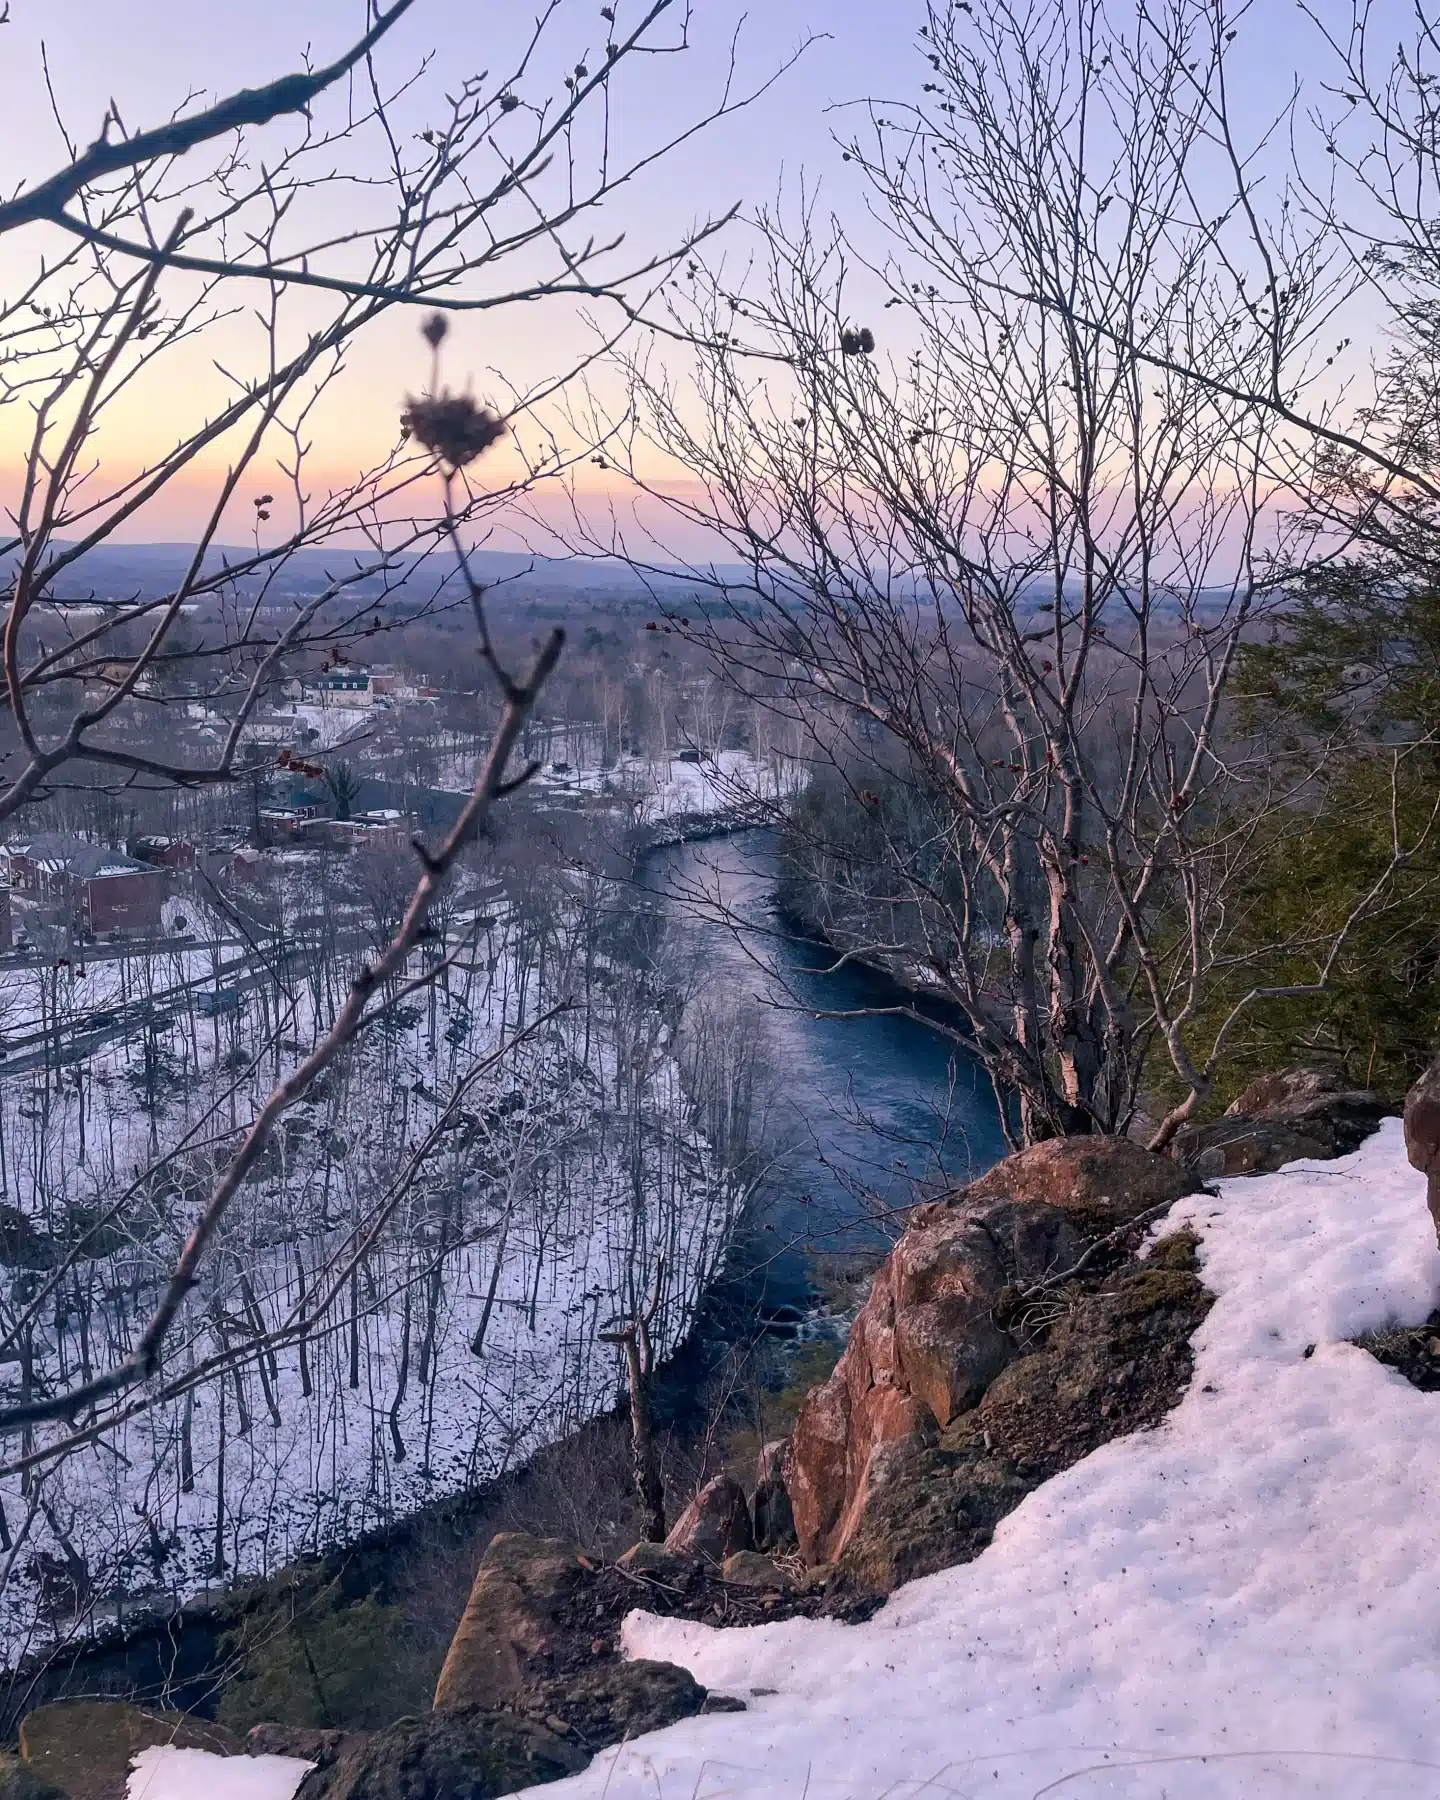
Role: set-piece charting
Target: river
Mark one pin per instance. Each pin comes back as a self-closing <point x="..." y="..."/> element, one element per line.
<point x="863" y="1107"/>
<point x="866" y="1106"/>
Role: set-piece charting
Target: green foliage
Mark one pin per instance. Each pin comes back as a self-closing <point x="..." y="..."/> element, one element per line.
<point x="1354" y="674"/>
<point x="1356" y="657"/>
<point x="1377" y="1019"/>
<point x="323" y="1664"/>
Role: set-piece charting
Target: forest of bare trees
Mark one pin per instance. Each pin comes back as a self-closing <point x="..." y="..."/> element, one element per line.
<point x="319" y="1211"/>
<point x="410" y="1296"/>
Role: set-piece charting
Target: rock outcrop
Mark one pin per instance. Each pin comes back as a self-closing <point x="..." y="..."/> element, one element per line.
<point x="1422" y="1134"/>
<point x="1116" y="1362"/>
<point x="1279" y="1119"/>
<point x="18" y="1781"/>
<point x="715" y="1524"/>
<point x="310" y="1743"/>
<point x="749" y="1569"/>
<point x="656" y="1561"/>
<point x="771" y="1513"/>
<point x="512" y="1620"/>
<point x="932" y="1337"/>
<point x="614" y="1701"/>
<point x="461" y="1752"/>
<point x="1099" y="1183"/>
<point x="84" y="1747"/>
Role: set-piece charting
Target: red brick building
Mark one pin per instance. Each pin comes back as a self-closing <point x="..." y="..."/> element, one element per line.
<point x="86" y="887"/>
<point x="164" y="852"/>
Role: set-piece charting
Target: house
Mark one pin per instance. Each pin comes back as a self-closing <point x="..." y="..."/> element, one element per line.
<point x="344" y="686"/>
<point x="164" y="852"/>
<point x="386" y="828"/>
<point x="331" y="834"/>
<point x="285" y="824"/>
<point x="82" y="887"/>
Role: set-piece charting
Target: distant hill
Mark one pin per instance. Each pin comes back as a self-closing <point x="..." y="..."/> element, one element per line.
<point x="539" y="584"/>
<point x="124" y="571"/>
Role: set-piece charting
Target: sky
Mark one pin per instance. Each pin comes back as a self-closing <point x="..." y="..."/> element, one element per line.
<point x="149" y="55"/>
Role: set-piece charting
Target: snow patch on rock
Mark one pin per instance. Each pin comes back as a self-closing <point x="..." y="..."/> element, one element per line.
<point x="164" y="1773"/>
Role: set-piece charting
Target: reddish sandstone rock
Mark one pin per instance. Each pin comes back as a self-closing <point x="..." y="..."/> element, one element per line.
<point x="715" y="1524"/>
<point x="511" y="1618"/>
<point x="1117" y="1362"/>
<point x="927" y="1342"/>
<point x="1422" y="1134"/>
<point x="923" y="1348"/>
<point x="1102" y="1181"/>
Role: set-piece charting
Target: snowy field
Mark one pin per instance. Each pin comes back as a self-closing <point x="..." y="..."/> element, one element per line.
<point x="652" y="788"/>
<point x="671" y="788"/>
<point x="1245" y="1602"/>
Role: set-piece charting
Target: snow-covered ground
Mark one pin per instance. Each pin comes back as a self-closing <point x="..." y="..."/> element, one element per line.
<point x="1245" y="1602"/>
<point x="381" y="742"/>
<point x="679" y="788"/>
<point x="447" y="1332"/>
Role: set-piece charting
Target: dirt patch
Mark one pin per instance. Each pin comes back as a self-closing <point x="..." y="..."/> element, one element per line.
<point x="613" y="1702"/>
<point x="596" y="1608"/>
<point x="1414" y="1350"/>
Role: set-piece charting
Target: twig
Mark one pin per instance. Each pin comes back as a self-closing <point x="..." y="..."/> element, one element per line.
<point x="144" y="1360"/>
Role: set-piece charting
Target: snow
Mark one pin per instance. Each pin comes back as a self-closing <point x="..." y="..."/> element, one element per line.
<point x="702" y="789"/>
<point x="166" y="1773"/>
<point x="520" y="1235"/>
<point x="1245" y="1602"/>
<point x="731" y="786"/>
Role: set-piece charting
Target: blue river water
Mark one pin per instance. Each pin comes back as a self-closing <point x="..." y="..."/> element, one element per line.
<point x="862" y="1108"/>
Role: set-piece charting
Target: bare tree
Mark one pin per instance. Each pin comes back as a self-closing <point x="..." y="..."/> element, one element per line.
<point x="1321" y="227"/>
<point x="149" y="245"/>
<point x="996" y="560"/>
<point x="343" y="785"/>
<point x="319" y="1369"/>
<point x="633" y="1336"/>
<point x="161" y="235"/>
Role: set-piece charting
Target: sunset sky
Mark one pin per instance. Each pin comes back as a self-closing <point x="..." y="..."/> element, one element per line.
<point x="150" y="54"/>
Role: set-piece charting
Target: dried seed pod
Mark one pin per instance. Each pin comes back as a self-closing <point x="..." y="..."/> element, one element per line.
<point x="452" y="426"/>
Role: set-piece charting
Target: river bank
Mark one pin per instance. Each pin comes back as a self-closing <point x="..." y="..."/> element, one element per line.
<point x="375" y="1617"/>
